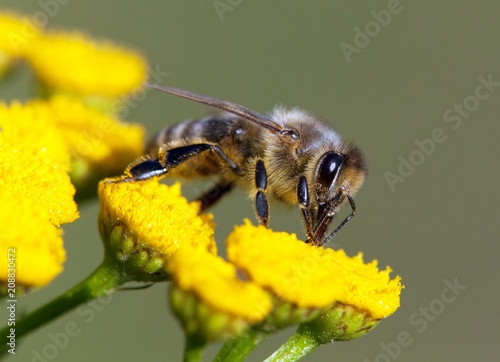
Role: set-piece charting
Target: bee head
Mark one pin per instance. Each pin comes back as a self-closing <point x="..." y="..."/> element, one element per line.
<point x="339" y="173"/>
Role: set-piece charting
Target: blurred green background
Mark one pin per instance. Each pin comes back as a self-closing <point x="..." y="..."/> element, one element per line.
<point x="438" y="225"/>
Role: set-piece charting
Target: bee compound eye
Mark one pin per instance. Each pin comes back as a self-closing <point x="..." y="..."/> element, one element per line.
<point x="330" y="165"/>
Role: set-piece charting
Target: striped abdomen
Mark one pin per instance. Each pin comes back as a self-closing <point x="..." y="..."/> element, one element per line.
<point x="238" y="139"/>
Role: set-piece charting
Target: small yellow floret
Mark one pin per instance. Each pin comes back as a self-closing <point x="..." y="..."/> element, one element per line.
<point x="76" y="64"/>
<point x="157" y="214"/>
<point x="309" y="276"/>
<point x="216" y="283"/>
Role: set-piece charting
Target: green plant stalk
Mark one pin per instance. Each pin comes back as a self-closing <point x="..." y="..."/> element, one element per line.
<point x="104" y="280"/>
<point x="193" y="351"/>
<point x="302" y="342"/>
<point x="237" y="349"/>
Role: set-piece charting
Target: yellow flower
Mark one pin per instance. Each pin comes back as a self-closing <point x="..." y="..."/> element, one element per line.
<point x="210" y="298"/>
<point x="216" y="282"/>
<point x="309" y="276"/>
<point x="271" y="279"/>
<point x="85" y="142"/>
<point x="16" y="34"/>
<point x="143" y="223"/>
<point x="33" y="125"/>
<point x="34" y="162"/>
<point x="34" y="242"/>
<point x="36" y="196"/>
<point x="73" y="63"/>
<point x="100" y="144"/>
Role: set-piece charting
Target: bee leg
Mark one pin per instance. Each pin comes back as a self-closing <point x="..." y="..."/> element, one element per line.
<point x="146" y="169"/>
<point x="211" y="196"/>
<point x="149" y="167"/>
<point x="342" y="224"/>
<point x="261" y="204"/>
<point x="303" y="198"/>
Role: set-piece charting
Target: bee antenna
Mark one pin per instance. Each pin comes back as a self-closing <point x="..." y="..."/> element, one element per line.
<point x="233" y="108"/>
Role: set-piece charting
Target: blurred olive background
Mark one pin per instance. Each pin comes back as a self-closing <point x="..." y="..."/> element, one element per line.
<point x="436" y="226"/>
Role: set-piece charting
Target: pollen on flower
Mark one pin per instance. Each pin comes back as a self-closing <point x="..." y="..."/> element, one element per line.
<point x="28" y="170"/>
<point x="74" y="63"/>
<point x="31" y="238"/>
<point x="31" y="127"/>
<point x="217" y="284"/>
<point x="157" y="215"/>
<point x="309" y="276"/>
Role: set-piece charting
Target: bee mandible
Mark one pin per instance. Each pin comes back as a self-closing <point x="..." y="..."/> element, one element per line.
<point x="291" y="156"/>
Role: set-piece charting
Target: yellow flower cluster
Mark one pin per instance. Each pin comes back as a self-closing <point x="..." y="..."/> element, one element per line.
<point x="216" y="282"/>
<point x="76" y="64"/>
<point x="40" y="142"/>
<point x="71" y="63"/>
<point x="49" y="146"/>
<point x="311" y="277"/>
<point x="263" y="268"/>
<point x="157" y="215"/>
<point x="104" y="142"/>
<point x="36" y="194"/>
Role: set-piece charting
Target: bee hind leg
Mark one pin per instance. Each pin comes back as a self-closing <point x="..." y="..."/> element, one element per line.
<point x="211" y="196"/>
<point x="146" y="169"/>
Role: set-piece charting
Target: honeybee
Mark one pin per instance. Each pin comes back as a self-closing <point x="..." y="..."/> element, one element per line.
<point x="291" y="156"/>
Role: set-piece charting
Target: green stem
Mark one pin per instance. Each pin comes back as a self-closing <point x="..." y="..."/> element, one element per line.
<point x="104" y="280"/>
<point x="235" y="350"/>
<point x="297" y="346"/>
<point x="193" y="351"/>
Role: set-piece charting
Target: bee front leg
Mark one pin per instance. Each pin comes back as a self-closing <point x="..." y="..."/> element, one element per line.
<point x="303" y="198"/>
<point x="343" y="223"/>
<point x="261" y="203"/>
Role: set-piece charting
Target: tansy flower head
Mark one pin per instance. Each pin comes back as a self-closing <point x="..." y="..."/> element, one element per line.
<point x="73" y="63"/>
<point x="143" y="223"/>
<point x="33" y="125"/>
<point x="311" y="277"/>
<point x="36" y="196"/>
<point x="34" y="162"/>
<point x="100" y="145"/>
<point x="33" y="241"/>
<point x="210" y="299"/>
<point x="87" y="143"/>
